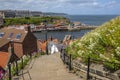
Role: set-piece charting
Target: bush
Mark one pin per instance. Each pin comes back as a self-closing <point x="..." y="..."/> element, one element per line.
<point x="103" y="43"/>
<point x="33" y="20"/>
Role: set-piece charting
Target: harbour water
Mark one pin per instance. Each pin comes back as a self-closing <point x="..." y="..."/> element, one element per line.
<point x="60" y="34"/>
<point x="87" y="19"/>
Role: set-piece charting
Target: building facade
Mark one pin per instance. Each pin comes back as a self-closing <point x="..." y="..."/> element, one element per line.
<point x="7" y="13"/>
<point x="24" y="42"/>
<point x="19" y="13"/>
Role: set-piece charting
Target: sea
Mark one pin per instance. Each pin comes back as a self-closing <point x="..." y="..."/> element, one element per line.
<point x="93" y="20"/>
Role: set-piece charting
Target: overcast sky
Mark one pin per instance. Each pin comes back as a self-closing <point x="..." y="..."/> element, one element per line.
<point x="83" y="7"/>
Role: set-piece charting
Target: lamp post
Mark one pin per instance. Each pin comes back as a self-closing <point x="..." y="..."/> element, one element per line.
<point x="45" y="22"/>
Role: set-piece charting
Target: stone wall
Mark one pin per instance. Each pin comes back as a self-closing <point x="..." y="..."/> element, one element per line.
<point x="94" y="73"/>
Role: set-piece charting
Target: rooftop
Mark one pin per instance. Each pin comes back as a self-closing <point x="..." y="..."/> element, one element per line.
<point x="4" y="56"/>
<point x="12" y="34"/>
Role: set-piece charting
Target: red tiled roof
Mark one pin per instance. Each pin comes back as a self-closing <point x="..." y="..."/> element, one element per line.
<point x="42" y="45"/>
<point x="4" y="57"/>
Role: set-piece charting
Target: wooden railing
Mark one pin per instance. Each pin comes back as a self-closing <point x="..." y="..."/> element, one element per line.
<point x="95" y="74"/>
<point x="66" y="59"/>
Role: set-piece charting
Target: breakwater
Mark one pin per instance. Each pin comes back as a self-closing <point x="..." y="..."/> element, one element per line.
<point x="64" y="29"/>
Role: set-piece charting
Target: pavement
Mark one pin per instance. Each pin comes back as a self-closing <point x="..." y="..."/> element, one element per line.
<point x="48" y="67"/>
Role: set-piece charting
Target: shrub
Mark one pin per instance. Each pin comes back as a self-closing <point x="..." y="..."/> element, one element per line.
<point x="103" y="43"/>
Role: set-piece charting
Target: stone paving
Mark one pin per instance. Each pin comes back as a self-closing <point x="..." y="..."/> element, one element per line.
<point x="49" y="67"/>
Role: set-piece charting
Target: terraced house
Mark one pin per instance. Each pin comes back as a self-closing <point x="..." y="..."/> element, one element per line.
<point x="20" y="40"/>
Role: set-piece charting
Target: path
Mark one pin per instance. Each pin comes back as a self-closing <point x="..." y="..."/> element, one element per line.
<point x="50" y="67"/>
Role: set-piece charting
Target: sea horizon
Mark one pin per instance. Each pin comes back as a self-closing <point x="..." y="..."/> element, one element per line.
<point x="95" y="20"/>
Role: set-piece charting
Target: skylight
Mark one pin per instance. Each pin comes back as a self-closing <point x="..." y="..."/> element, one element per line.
<point x="18" y="36"/>
<point x="1" y="34"/>
<point x="10" y="35"/>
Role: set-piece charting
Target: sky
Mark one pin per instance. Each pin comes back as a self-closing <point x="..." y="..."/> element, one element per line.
<point x="79" y="7"/>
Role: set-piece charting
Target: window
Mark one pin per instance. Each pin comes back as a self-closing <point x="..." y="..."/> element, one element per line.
<point x="18" y="36"/>
<point x="1" y="34"/>
<point x="10" y="35"/>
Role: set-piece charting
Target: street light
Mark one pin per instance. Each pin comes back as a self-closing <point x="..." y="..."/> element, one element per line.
<point x="45" y="27"/>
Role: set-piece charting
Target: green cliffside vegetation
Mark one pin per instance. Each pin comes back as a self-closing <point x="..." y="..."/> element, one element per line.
<point x="34" y="20"/>
<point x="102" y="45"/>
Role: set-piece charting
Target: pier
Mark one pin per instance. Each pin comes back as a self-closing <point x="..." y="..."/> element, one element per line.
<point x="66" y="29"/>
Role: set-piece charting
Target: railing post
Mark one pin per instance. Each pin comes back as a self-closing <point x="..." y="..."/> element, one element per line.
<point x="61" y="53"/>
<point x="22" y="63"/>
<point x="88" y="69"/>
<point x="16" y="67"/>
<point x="47" y="48"/>
<point x="64" y="57"/>
<point x="10" y="75"/>
<point x="70" y="66"/>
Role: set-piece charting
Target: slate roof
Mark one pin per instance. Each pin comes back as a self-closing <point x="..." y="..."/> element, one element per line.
<point x="15" y="31"/>
<point x="3" y="41"/>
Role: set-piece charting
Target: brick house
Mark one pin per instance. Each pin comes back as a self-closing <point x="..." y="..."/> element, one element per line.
<point x="14" y="43"/>
<point x="24" y="42"/>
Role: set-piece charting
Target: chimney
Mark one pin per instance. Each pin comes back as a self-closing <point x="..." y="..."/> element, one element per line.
<point x="11" y="49"/>
<point x="27" y="28"/>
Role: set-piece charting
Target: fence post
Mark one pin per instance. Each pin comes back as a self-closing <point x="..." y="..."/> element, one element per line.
<point x="10" y="75"/>
<point x="64" y="56"/>
<point x="22" y="62"/>
<point x="70" y="66"/>
<point x="16" y="67"/>
<point x="61" y="53"/>
<point x="88" y="69"/>
<point x="47" y="48"/>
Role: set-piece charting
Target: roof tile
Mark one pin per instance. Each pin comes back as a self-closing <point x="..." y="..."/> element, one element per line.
<point x="4" y="57"/>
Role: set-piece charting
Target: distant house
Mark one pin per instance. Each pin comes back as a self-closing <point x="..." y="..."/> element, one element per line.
<point x="19" y="13"/>
<point x="77" y="23"/>
<point x="23" y="41"/>
<point x="1" y="21"/>
<point x="7" y="13"/>
<point x="50" y="42"/>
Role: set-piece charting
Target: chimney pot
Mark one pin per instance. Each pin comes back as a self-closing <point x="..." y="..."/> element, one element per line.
<point x="28" y="28"/>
